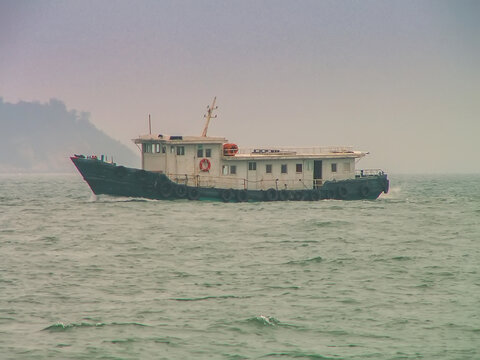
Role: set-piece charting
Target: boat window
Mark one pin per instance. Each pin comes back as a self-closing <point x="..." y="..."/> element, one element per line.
<point x="157" y="148"/>
<point x="268" y="168"/>
<point x="208" y="152"/>
<point x="298" y="168"/>
<point x="284" y="168"/>
<point x="225" y="169"/>
<point x="147" y="148"/>
<point x="180" y="150"/>
<point x="252" y="166"/>
<point x="172" y="149"/>
<point x="199" y="153"/>
<point x="233" y="169"/>
<point x="334" y="167"/>
<point x="346" y="167"/>
<point x="164" y="149"/>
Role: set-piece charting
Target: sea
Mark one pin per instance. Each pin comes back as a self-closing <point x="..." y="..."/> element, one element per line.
<point x="86" y="277"/>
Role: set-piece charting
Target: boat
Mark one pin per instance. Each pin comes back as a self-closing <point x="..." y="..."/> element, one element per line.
<point x="212" y="168"/>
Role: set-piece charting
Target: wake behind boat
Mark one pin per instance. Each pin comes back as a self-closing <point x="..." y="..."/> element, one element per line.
<point x="212" y="168"/>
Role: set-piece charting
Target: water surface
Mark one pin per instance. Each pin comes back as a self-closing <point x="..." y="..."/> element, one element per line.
<point x="84" y="277"/>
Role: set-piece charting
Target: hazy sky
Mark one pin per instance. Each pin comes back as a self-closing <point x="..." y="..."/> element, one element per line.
<point x="400" y="79"/>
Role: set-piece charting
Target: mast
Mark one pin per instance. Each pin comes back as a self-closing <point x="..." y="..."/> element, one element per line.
<point x="208" y="115"/>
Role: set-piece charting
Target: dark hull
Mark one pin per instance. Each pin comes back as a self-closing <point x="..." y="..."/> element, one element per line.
<point x="109" y="179"/>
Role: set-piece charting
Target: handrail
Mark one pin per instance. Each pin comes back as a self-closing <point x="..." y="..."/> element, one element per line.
<point x="368" y="172"/>
<point x="278" y="150"/>
<point x="225" y="182"/>
<point x="228" y="182"/>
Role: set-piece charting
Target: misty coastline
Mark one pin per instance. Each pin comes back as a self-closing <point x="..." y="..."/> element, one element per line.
<point x="40" y="138"/>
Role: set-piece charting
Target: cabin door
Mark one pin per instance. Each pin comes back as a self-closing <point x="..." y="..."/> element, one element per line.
<point x="252" y="175"/>
<point x="317" y="173"/>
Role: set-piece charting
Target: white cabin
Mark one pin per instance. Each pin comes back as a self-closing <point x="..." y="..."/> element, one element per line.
<point x="213" y="162"/>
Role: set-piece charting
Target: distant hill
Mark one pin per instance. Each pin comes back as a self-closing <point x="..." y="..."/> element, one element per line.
<point x="37" y="137"/>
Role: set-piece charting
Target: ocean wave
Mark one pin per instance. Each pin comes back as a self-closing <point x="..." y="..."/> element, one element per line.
<point x="298" y="355"/>
<point x="402" y="258"/>
<point x="59" y="327"/>
<point x="64" y="327"/>
<point x="326" y="223"/>
<point x="210" y="298"/>
<point x="269" y="321"/>
<point x="113" y="199"/>
<point x="315" y="260"/>
<point x="263" y="320"/>
<point x="158" y="340"/>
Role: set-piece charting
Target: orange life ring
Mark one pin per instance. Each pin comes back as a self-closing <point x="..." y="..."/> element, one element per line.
<point x="205" y="164"/>
<point x="230" y="149"/>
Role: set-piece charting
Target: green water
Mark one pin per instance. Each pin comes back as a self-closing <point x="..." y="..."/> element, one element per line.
<point x="106" y="278"/>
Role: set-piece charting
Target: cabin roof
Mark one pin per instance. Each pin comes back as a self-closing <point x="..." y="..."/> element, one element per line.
<point x="179" y="139"/>
<point x="297" y="155"/>
<point x="299" y="152"/>
<point x="258" y="153"/>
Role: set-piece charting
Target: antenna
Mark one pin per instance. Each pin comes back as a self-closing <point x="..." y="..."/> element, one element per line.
<point x="209" y="116"/>
<point x="149" y="125"/>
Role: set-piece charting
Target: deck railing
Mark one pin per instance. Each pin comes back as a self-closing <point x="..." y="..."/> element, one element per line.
<point x="368" y="172"/>
<point x="242" y="183"/>
<point x="287" y="150"/>
<point x="226" y="182"/>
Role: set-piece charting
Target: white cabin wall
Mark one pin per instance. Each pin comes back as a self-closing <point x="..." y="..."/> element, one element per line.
<point x="177" y="166"/>
<point x="234" y="181"/>
<point x="307" y="174"/>
<point x="211" y="177"/>
<point x="181" y="167"/>
<point x="290" y="180"/>
<point x="259" y="179"/>
<point x="215" y="160"/>
<point x="154" y="162"/>
<point x="171" y="169"/>
<point x="151" y="160"/>
<point x="243" y="179"/>
<point x="341" y="173"/>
